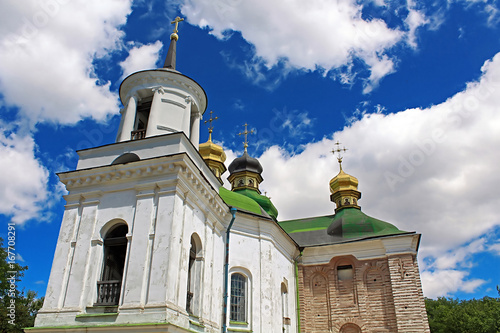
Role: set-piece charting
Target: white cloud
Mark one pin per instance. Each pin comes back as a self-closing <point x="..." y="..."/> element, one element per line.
<point x="306" y="35"/>
<point x="47" y="50"/>
<point x="460" y="256"/>
<point x="414" y="20"/>
<point x="140" y="58"/>
<point x="446" y="282"/>
<point x="380" y="67"/>
<point x="431" y="170"/>
<point x="495" y="248"/>
<point x="23" y="178"/>
<point x="46" y="54"/>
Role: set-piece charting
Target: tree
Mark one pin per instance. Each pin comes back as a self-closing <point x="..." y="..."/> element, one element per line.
<point x="464" y="316"/>
<point x="17" y="308"/>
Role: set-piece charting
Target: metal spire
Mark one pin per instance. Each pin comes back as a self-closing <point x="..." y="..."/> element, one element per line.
<point x="245" y="133"/>
<point x="339" y="152"/>
<point x="210" y="127"/>
<point x="172" y="49"/>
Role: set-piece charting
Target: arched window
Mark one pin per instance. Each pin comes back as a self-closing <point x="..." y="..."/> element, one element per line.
<point x="115" y="250"/>
<point x="194" y="276"/>
<point x="238" y="298"/>
<point x="284" y="306"/>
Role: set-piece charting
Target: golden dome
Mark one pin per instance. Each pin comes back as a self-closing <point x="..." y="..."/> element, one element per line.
<point x="212" y="151"/>
<point x="344" y="189"/>
<point x="343" y="181"/>
<point x="214" y="156"/>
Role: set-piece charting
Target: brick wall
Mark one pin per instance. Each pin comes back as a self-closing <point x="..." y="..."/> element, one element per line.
<point x="351" y="296"/>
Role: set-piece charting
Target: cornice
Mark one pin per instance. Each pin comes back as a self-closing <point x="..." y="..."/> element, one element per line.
<point x="168" y="174"/>
<point x="150" y="79"/>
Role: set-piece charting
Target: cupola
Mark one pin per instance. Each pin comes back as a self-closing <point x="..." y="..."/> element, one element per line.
<point x="245" y="171"/>
<point x="344" y="187"/>
<point x="213" y="154"/>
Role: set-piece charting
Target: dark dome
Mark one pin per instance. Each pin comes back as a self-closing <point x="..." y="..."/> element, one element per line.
<point x="126" y="158"/>
<point x="245" y="163"/>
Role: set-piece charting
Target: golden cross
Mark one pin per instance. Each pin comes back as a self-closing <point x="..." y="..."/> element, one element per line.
<point x="339" y="151"/>
<point x="245" y="143"/>
<point x="176" y="21"/>
<point x="210" y="127"/>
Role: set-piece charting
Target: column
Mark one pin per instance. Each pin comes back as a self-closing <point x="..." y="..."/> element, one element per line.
<point x="128" y="120"/>
<point x="154" y="114"/>
<point x="195" y="129"/>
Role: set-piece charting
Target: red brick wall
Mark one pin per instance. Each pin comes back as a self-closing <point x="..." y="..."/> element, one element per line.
<point x="379" y="296"/>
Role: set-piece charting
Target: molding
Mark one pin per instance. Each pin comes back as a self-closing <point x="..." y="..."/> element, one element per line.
<point x="164" y="100"/>
<point x="166" y="128"/>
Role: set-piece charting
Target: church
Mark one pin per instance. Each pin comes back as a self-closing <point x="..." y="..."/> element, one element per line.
<point x="151" y="241"/>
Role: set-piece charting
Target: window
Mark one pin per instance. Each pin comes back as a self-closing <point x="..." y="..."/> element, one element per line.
<point x="284" y="306"/>
<point x="194" y="276"/>
<point x="345" y="272"/>
<point x="141" y="119"/>
<point x="115" y="250"/>
<point x="238" y="298"/>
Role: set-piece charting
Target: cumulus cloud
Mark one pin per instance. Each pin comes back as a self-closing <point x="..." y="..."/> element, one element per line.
<point x="47" y="54"/>
<point x="24" y="179"/>
<point x="430" y="170"/>
<point x="47" y="49"/>
<point x="446" y="282"/>
<point x="306" y="35"/>
<point x="140" y="58"/>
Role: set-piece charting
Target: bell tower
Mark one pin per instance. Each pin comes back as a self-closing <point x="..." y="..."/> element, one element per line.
<point x="161" y="101"/>
<point x="141" y="219"/>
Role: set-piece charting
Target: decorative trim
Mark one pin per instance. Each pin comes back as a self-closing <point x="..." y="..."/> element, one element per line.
<point x="166" y="128"/>
<point x="188" y="99"/>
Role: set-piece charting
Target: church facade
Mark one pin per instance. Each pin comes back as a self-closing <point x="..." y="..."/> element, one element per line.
<point x="151" y="242"/>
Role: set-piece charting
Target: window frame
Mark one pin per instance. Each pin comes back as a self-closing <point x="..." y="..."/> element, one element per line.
<point x="246" y="324"/>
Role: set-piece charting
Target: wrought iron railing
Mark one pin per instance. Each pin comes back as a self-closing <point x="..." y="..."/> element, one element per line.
<point x="139" y="134"/>
<point x="108" y="292"/>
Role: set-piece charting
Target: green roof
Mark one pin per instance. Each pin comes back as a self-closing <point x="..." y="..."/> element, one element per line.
<point x="346" y="224"/>
<point x="240" y="201"/>
<point x="262" y="200"/>
<point x="307" y="224"/>
<point x="353" y="223"/>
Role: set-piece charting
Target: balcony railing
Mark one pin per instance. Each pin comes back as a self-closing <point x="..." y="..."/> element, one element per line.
<point x="108" y="292"/>
<point x="139" y="134"/>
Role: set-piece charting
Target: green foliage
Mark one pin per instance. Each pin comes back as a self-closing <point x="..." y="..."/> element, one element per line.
<point x="447" y="315"/>
<point x="17" y="308"/>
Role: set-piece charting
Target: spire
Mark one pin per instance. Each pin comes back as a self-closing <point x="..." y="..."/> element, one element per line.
<point x="339" y="151"/>
<point x="245" y="133"/>
<point x="344" y="187"/>
<point x="172" y="49"/>
<point x="210" y="127"/>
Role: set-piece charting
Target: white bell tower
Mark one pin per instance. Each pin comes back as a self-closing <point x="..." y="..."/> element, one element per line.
<point x="161" y="101"/>
<point x="143" y="220"/>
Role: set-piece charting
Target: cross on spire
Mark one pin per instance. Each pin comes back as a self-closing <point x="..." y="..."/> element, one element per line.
<point x="245" y="133"/>
<point x="210" y="127"/>
<point x="176" y="28"/>
<point x="339" y="152"/>
<point x="176" y="22"/>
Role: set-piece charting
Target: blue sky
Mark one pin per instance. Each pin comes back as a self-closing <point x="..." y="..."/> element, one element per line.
<point x="410" y="88"/>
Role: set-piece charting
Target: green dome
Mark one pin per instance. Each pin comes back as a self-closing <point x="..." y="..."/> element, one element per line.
<point x="353" y="223"/>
